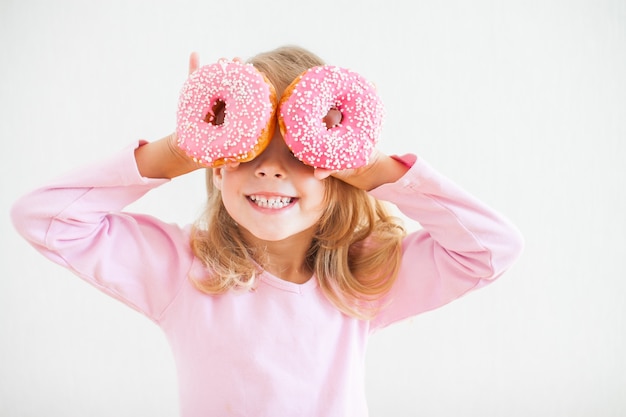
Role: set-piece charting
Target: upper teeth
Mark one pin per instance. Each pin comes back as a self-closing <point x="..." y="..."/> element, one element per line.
<point x="270" y="202"/>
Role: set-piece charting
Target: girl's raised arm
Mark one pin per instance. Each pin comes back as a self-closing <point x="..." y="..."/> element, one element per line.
<point x="163" y="158"/>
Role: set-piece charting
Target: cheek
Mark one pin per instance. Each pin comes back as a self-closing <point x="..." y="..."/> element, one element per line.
<point x="228" y="190"/>
<point x="316" y="195"/>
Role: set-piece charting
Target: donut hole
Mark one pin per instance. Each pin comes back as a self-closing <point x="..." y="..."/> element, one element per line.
<point x="216" y="115"/>
<point x="333" y="118"/>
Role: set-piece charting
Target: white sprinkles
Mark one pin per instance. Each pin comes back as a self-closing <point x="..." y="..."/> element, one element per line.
<point x="248" y="109"/>
<point x="348" y="145"/>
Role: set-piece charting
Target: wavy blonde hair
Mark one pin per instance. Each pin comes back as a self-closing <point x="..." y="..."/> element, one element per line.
<point x="355" y="252"/>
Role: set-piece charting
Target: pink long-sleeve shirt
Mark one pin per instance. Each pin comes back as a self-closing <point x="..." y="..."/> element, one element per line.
<point x="282" y="349"/>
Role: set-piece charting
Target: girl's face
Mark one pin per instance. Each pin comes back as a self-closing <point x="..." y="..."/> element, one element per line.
<point x="274" y="196"/>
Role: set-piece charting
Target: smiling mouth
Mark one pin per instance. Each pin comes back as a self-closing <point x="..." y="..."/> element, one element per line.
<point x="270" y="202"/>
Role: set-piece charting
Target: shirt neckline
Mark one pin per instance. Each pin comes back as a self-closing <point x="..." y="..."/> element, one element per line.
<point x="289" y="286"/>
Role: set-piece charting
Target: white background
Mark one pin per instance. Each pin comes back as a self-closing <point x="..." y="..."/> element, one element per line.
<point x="521" y="102"/>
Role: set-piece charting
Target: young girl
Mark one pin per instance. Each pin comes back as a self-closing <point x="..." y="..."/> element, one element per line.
<point x="268" y="311"/>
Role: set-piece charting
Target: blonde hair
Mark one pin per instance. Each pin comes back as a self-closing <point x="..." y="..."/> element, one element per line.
<point x="355" y="252"/>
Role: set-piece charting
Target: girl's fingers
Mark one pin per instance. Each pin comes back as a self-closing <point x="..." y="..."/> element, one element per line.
<point x="321" y="173"/>
<point x="194" y="62"/>
<point x="231" y="164"/>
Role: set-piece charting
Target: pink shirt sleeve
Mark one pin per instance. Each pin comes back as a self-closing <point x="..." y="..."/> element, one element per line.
<point x="463" y="244"/>
<point x="77" y="222"/>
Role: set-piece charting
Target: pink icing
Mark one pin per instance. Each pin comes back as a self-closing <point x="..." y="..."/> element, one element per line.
<point x="347" y="145"/>
<point x="247" y="113"/>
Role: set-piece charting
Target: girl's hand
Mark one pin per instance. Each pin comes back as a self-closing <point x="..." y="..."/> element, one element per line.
<point x="380" y="170"/>
<point x="194" y="62"/>
<point x="163" y="158"/>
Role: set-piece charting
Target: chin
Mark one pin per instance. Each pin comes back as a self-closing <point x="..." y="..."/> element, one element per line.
<point x="271" y="237"/>
<point x="278" y="235"/>
<point x="254" y="233"/>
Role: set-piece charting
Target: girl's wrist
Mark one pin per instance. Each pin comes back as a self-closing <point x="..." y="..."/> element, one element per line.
<point x="382" y="169"/>
<point x="163" y="159"/>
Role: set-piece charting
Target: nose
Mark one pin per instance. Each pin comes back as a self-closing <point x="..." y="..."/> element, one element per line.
<point x="270" y="163"/>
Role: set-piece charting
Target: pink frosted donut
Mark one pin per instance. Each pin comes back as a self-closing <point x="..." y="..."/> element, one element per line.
<point x="316" y="94"/>
<point x="225" y="112"/>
